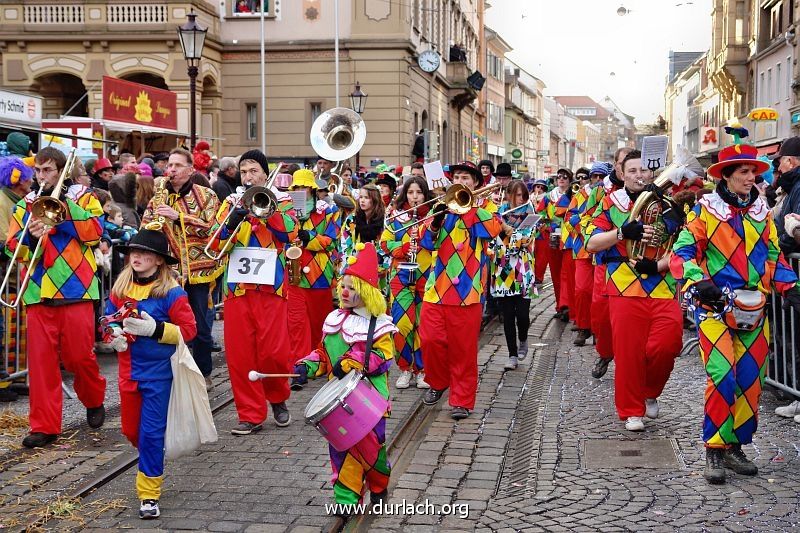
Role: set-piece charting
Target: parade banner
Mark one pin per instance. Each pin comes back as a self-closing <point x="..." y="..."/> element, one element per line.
<point x="134" y="103"/>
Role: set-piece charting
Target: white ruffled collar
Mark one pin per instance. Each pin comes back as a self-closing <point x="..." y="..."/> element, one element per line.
<point x="555" y="194"/>
<point x="354" y="324"/>
<point x="721" y="210"/>
<point x="621" y="199"/>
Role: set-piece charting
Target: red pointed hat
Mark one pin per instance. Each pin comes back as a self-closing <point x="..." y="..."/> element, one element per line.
<point x="738" y="154"/>
<point x="365" y="264"/>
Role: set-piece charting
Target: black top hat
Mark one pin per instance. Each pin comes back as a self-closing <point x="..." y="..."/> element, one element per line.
<point x="503" y="171"/>
<point x="386" y="179"/>
<point x="150" y="241"/>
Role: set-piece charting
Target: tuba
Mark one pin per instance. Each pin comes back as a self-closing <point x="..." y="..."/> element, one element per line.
<point x="651" y="204"/>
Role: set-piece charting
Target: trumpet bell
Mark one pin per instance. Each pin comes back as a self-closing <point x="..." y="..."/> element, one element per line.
<point x="338" y="134"/>
<point x="260" y="201"/>
<point x="50" y="210"/>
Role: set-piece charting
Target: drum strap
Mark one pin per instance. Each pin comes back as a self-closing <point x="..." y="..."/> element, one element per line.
<point x="370" y="334"/>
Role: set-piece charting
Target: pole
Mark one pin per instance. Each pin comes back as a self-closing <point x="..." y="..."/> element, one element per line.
<point x="263" y="89"/>
<point x="192" y="104"/>
<point x="336" y="47"/>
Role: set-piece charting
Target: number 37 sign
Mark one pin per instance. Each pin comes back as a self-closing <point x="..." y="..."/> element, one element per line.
<point x="252" y="265"/>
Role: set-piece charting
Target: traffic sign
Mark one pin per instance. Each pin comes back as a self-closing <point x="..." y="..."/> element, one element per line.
<point x="516" y="153"/>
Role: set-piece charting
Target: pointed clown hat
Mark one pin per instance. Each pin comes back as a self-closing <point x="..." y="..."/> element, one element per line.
<point x="364" y="265"/>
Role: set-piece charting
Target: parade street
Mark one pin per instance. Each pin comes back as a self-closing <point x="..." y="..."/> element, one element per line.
<point x="544" y="452"/>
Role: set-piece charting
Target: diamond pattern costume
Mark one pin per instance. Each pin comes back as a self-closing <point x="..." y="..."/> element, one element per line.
<point x="407" y="290"/>
<point x="365" y="465"/>
<point x="736" y="248"/>
<point x="256" y="315"/>
<point x="547" y="208"/>
<point x="59" y="306"/>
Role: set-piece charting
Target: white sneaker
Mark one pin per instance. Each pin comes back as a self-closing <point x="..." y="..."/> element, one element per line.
<point x="421" y="383"/>
<point x="797" y="418"/>
<point x="634" y="423"/>
<point x="651" y="408"/>
<point x="789" y="411"/>
<point x="404" y="380"/>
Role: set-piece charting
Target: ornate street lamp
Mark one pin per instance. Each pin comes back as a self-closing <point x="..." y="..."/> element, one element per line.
<point x="192" y="38"/>
<point x="358" y="101"/>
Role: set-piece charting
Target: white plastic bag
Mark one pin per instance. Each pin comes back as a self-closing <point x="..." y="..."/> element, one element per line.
<point x="189" y="419"/>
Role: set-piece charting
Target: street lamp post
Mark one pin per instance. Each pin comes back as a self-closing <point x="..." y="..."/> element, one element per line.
<point x="358" y="101"/>
<point x="192" y="38"/>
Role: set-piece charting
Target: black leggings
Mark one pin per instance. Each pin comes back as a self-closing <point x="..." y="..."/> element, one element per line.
<point x="516" y="313"/>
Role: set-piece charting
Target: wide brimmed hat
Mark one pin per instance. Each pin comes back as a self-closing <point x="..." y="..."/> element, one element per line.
<point x="303" y="178"/>
<point x="388" y="180"/>
<point x="470" y="167"/>
<point x="503" y="171"/>
<point x="101" y="165"/>
<point x="149" y="240"/>
<point x="738" y="154"/>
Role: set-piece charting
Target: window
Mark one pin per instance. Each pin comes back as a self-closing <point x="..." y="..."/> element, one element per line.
<point x="788" y="77"/>
<point x="778" y="83"/>
<point x="762" y="90"/>
<point x="244" y="8"/>
<point x="251" y="112"/>
<point x="316" y="110"/>
<point x="769" y="87"/>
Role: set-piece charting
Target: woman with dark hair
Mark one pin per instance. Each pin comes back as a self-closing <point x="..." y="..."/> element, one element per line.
<point x="407" y="277"/>
<point x="144" y="192"/>
<point x="513" y="281"/>
<point x="363" y="225"/>
<point x="123" y="192"/>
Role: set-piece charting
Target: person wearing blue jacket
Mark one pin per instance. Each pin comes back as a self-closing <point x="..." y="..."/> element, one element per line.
<point x="147" y="315"/>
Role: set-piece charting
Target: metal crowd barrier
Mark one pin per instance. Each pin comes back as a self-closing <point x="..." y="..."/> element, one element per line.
<point x="782" y="370"/>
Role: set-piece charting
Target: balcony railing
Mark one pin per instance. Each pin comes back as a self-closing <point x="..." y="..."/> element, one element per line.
<point x="137" y="14"/>
<point x="54" y="14"/>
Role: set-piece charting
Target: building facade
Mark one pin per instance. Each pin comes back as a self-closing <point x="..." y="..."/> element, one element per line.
<point x="495" y="92"/>
<point x="523" y="111"/>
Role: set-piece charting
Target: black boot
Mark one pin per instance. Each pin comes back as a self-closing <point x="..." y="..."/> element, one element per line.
<point x="37" y="440"/>
<point x="583" y="336"/>
<point x="95" y="416"/>
<point x="715" y="469"/>
<point x="736" y="460"/>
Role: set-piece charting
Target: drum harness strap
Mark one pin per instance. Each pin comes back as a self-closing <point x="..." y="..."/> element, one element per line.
<point x="370" y="334"/>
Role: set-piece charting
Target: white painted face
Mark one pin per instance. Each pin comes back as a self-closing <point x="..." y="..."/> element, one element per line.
<point x="350" y="299"/>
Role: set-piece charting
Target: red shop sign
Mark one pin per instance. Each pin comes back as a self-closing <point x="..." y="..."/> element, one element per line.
<point x="134" y="103"/>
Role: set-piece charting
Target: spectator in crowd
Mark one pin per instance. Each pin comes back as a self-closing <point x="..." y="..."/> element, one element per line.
<point x="788" y="162"/>
<point x="160" y="164"/>
<point x="146" y="155"/>
<point x="115" y="225"/>
<point x="123" y="192"/>
<point x="144" y="170"/>
<point x="19" y="144"/>
<point x="79" y="175"/>
<point x="418" y="169"/>
<point x="16" y="179"/>
<point x="418" y="151"/>
<point x="213" y="171"/>
<point x="102" y="172"/>
<point x="144" y="192"/>
<point x="202" y="157"/>
<point x="227" y="178"/>
<point x="125" y="158"/>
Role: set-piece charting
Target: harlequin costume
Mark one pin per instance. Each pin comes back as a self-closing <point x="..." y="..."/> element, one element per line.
<point x="311" y="300"/>
<point x="646" y="321"/>
<point x="541" y="244"/>
<point x="547" y="208"/>
<point x="732" y="242"/>
<point x="256" y="314"/>
<point x="196" y="206"/>
<point x="365" y="466"/>
<point x="583" y="278"/>
<point x="567" y="297"/>
<point x="407" y="289"/>
<point x="512" y="282"/>
<point x="59" y="302"/>
<point x="145" y="371"/>
<point x="454" y="296"/>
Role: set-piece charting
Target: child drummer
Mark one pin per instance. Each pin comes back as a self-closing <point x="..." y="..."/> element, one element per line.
<point x="342" y="350"/>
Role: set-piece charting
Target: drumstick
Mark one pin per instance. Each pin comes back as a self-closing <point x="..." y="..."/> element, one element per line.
<point x="255" y="376"/>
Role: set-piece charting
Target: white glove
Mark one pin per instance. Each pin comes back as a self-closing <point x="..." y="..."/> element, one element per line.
<point x="144" y="326"/>
<point x="118" y="344"/>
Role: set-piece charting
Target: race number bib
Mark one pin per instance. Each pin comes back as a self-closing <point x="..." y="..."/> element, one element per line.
<point x="252" y="265"/>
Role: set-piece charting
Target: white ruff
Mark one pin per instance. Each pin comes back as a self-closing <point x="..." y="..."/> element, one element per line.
<point x="715" y="205"/>
<point x="621" y="199"/>
<point x="355" y="325"/>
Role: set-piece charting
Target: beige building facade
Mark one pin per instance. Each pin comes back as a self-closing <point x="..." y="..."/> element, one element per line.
<point x="68" y="46"/>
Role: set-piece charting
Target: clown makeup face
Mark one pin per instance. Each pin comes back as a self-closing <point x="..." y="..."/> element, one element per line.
<point x="742" y="180"/>
<point x="145" y="263"/>
<point x="350" y="299"/>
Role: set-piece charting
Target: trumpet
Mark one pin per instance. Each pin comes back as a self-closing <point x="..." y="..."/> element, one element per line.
<point x="458" y="198"/>
<point x="51" y="210"/>
<point x="260" y="201"/>
<point x="576" y="187"/>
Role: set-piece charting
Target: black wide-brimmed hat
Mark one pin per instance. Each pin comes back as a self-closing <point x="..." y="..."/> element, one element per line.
<point x="150" y="240"/>
<point x="468" y="166"/>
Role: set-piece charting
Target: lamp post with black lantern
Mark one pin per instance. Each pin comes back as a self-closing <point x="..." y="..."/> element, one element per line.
<point x="358" y="101"/>
<point x="192" y="37"/>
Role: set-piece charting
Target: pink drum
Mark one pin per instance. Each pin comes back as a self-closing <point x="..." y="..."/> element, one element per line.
<point x="345" y="410"/>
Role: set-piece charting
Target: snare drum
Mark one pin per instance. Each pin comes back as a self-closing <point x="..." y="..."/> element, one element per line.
<point x="345" y="410"/>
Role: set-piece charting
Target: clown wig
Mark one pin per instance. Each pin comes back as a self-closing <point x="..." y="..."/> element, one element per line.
<point x="13" y="171"/>
<point x="373" y="299"/>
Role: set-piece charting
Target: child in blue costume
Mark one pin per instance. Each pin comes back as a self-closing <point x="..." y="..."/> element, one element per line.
<point x="145" y="343"/>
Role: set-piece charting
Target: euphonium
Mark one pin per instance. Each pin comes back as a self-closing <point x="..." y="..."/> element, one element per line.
<point x="649" y="208"/>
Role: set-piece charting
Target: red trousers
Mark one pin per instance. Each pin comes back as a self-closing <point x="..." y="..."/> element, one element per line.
<point x="449" y="335"/>
<point x="584" y="283"/>
<point x="257" y="338"/>
<point x="541" y="256"/>
<point x="647" y="338"/>
<point x="64" y="333"/>
<point x="554" y="260"/>
<point x="307" y="311"/>
<point x="567" y="298"/>
<point x="601" y="321"/>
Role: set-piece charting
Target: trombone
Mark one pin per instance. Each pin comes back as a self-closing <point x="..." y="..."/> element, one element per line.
<point x="51" y="210"/>
<point x="458" y="198"/>
<point x="260" y="201"/>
